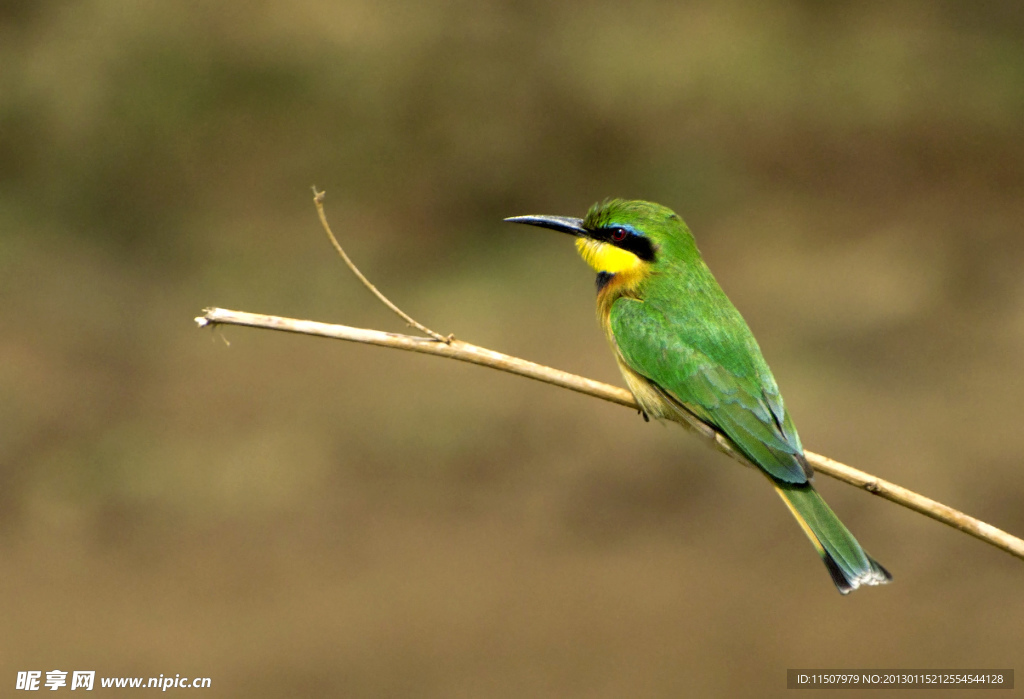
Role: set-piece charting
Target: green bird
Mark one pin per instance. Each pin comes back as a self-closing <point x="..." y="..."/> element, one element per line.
<point x="688" y="356"/>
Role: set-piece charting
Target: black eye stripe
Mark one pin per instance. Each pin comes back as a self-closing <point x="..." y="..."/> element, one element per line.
<point x="628" y="240"/>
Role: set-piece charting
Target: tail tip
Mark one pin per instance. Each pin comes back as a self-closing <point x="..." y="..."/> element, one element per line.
<point x="874" y="574"/>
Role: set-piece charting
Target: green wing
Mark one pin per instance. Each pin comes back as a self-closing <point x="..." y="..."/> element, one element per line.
<point x="704" y="360"/>
<point x="716" y="372"/>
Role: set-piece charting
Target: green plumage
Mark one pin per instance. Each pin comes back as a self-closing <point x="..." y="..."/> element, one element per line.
<point x="687" y="353"/>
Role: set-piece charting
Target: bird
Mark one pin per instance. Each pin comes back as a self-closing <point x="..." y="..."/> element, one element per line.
<point x="688" y="356"/>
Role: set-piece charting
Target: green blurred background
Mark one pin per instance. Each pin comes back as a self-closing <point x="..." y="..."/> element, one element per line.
<point x="292" y="516"/>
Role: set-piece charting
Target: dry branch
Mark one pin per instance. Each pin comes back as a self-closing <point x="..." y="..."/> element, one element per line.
<point x="318" y="199"/>
<point x="463" y="351"/>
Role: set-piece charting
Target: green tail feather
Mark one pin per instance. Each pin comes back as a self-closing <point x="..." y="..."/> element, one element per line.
<point x="847" y="563"/>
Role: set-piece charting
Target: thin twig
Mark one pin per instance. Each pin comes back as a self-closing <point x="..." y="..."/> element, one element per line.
<point x="318" y="199"/>
<point x="466" y="352"/>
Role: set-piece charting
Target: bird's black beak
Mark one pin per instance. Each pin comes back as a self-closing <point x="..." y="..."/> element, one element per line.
<point x="563" y="224"/>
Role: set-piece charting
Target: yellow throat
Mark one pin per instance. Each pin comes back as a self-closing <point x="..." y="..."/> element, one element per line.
<point x="606" y="258"/>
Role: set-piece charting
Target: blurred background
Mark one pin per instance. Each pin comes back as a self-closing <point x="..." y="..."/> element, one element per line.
<point x="301" y="517"/>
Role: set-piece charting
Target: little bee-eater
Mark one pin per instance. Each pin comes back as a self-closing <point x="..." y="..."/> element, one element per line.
<point x="688" y="356"/>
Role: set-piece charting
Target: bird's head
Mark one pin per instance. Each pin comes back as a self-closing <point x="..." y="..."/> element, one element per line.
<point x="622" y="236"/>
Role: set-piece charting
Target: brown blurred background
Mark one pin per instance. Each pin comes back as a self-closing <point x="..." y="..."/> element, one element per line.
<point x="298" y="517"/>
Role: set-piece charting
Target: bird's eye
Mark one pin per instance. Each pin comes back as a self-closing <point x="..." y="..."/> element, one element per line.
<point x="618" y="234"/>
